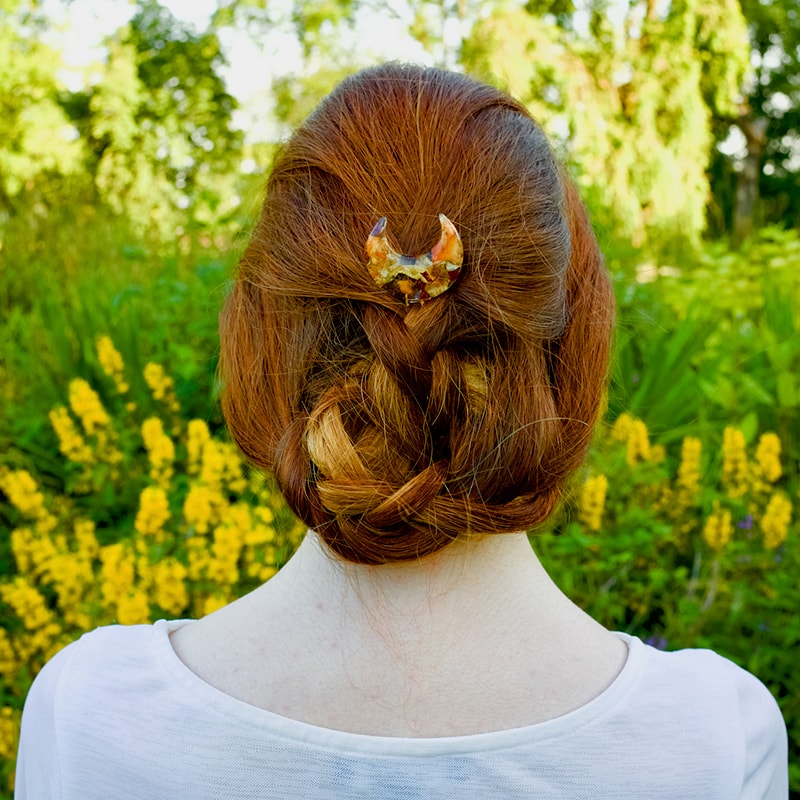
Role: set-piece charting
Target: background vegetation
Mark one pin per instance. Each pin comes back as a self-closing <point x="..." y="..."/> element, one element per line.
<point x="123" y="204"/>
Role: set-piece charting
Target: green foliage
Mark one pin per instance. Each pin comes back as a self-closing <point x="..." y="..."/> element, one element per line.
<point x="774" y="94"/>
<point x="159" y="126"/>
<point x="674" y="550"/>
<point x="734" y="340"/>
<point x="36" y="138"/>
<point x="629" y="104"/>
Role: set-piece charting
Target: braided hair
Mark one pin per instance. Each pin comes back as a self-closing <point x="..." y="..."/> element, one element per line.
<point x="392" y="429"/>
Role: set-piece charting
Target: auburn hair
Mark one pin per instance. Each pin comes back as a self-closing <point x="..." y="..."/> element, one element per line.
<point x="393" y="430"/>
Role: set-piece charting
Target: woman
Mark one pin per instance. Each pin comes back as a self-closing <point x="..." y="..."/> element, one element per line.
<point x="416" y="348"/>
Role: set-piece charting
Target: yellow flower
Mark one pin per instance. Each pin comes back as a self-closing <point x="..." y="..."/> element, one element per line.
<point x="116" y="573"/>
<point x="214" y="603"/>
<point x="23" y="492"/>
<point x="169" y="587"/>
<point x="161" y="386"/>
<point x="718" y="530"/>
<point x="592" y="501"/>
<point x="70" y="442"/>
<point x="27" y="603"/>
<point x="199" y="559"/>
<point x="160" y="450"/>
<point x="111" y="362"/>
<point x="232" y="468"/>
<point x="213" y="463"/>
<point x="8" y="658"/>
<point x="775" y="521"/>
<point x="200" y="508"/>
<point x="153" y="511"/>
<point x="622" y="427"/>
<point x="88" y="545"/>
<point x="734" y="462"/>
<point x="768" y="456"/>
<point x="32" y="552"/>
<point x="226" y="549"/>
<point x="638" y="443"/>
<point x="133" y="608"/>
<point x="72" y="576"/>
<point x="85" y="404"/>
<point x="197" y="435"/>
<point x="9" y="732"/>
<point x="689" y="468"/>
<point x="264" y="514"/>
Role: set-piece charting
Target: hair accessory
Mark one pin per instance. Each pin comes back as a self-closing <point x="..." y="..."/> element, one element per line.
<point x="415" y="278"/>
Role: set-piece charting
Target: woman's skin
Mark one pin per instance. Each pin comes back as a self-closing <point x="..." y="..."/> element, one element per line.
<point x="472" y="639"/>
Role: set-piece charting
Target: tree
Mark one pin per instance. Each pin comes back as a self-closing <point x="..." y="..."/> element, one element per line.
<point x="158" y="126"/>
<point x="769" y="118"/>
<point x="630" y="101"/>
<point x="37" y="141"/>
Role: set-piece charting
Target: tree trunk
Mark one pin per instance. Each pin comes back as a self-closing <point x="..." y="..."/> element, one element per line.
<point x="755" y="132"/>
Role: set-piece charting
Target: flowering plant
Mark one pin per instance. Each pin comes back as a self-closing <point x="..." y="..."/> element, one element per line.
<point x="155" y="517"/>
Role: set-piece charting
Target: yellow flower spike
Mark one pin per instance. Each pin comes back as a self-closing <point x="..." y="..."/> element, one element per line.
<point x="27" y="604"/>
<point x="161" y="386"/>
<point x="199" y="559"/>
<point x="267" y="572"/>
<point x="689" y="468"/>
<point x="70" y="442"/>
<point x="153" y="512"/>
<point x="264" y="514"/>
<point x="116" y="573"/>
<point x="622" y="427"/>
<point x="133" y="608"/>
<point x="775" y="521"/>
<point x="169" y="589"/>
<point x="111" y="362"/>
<point x="232" y="468"/>
<point x="197" y="434"/>
<point x="212" y="464"/>
<point x="160" y="450"/>
<point x="9" y="732"/>
<point x="88" y="545"/>
<point x="23" y="493"/>
<point x="85" y="404"/>
<point x="199" y="508"/>
<point x="72" y="577"/>
<point x="734" y="463"/>
<point x="9" y="665"/>
<point x="592" y="501"/>
<point x="638" y="444"/>
<point x="768" y="456"/>
<point x="214" y="603"/>
<point x="718" y="530"/>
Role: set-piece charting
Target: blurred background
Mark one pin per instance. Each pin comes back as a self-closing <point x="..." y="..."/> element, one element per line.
<point x="134" y="141"/>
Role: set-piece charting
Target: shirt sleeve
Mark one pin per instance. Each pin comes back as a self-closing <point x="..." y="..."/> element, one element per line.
<point x="766" y="768"/>
<point x="38" y="774"/>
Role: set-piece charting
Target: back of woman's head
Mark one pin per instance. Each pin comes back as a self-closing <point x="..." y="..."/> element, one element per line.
<point x="393" y="429"/>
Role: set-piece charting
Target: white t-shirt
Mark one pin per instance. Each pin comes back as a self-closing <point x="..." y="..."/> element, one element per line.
<point x="118" y="715"/>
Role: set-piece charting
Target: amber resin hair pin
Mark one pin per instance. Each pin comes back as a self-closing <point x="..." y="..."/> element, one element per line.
<point x="415" y="278"/>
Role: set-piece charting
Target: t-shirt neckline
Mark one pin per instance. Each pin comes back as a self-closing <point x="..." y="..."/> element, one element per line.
<point x="217" y="701"/>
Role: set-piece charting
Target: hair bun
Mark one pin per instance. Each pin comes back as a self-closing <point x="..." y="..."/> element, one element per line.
<point x="393" y="429"/>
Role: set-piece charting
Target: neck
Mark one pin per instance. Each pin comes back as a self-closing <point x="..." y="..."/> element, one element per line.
<point x="495" y="582"/>
<point x="474" y="638"/>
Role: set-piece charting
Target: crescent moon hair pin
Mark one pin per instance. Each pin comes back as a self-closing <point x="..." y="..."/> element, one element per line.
<point x="415" y="279"/>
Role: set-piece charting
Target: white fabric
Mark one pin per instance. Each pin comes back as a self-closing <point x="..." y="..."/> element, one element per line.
<point x="118" y="715"/>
